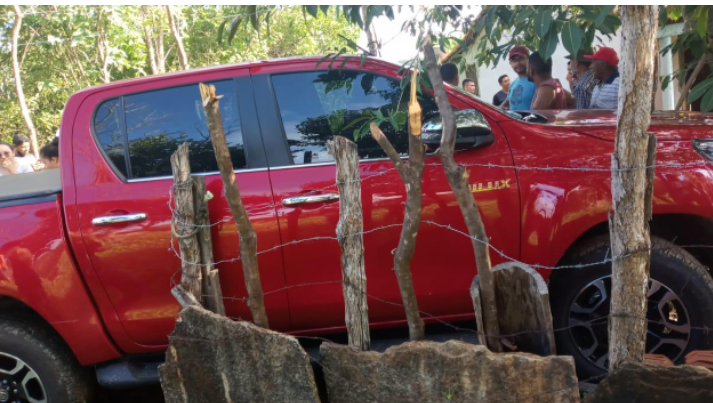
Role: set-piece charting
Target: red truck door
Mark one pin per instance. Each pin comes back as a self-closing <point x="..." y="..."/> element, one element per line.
<point x="123" y="179"/>
<point x="308" y="108"/>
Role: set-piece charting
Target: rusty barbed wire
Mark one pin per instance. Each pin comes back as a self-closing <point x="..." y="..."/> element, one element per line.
<point x="435" y="319"/>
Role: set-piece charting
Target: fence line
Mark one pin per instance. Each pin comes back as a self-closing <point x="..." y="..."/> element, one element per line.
<point x="480" y="165"/>
<point x="601" y="320"/>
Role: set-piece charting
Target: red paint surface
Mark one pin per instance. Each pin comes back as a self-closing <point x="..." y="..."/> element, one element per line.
<point x="37" y="268"/>
<point x="128" y="267"/>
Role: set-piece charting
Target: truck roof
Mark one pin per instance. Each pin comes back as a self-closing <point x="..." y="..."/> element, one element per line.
<point x="201" y="70"/>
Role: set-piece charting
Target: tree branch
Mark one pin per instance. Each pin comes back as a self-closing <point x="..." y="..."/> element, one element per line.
<point x="458" y="179"/>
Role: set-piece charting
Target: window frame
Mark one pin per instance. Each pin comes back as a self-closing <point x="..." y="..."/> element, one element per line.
<point x="127" y="160"/>
<point x="273" y="96"/>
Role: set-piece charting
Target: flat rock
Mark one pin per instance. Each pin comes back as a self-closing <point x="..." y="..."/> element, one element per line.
<point x="213" y="359"/>
<point x="642" y="383"/>
<point x="441" y="372"/>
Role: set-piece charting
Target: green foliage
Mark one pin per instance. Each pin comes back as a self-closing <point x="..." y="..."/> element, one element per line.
<point x="698" y="38"/>
<point x="58" y="48"/>
<point x="540" y="28"/>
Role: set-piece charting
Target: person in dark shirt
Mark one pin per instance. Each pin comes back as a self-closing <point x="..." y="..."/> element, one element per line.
<point x="502" y="95"/>
<point x="449" y="73"/>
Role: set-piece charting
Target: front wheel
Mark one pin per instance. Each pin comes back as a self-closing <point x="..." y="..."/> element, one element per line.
<point x="679" y="310"/>
<point x="36" y="366"/>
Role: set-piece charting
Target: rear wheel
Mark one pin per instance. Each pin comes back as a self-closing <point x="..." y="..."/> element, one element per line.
<point x="36" y="366"/>
<point x="680" y="305"/>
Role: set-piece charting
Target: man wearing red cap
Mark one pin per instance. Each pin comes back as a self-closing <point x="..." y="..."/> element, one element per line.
<point x="605" y="95"/>
<point x="522" y="89"/>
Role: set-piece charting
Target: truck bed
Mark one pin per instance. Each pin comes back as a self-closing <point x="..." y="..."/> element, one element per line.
<point x="30" y="187"/>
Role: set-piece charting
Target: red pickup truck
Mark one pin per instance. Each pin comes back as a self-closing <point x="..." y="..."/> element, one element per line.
<point x="86" y="263"/>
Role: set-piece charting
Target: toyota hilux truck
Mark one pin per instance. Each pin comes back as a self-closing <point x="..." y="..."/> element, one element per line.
<point x="87" y="260"/>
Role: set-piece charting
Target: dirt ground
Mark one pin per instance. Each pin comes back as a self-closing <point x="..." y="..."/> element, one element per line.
<point x="150" y="394"/>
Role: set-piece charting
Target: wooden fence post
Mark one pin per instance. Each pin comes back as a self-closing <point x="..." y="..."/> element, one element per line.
<point x="458" y="179"/>
<point x="412" y="176"/>
<point x="183" y="227"/>
<point x="632" y="186"/>
<point x="248" y="239"/>
<point x="351" y="242"/>
<point x="523" y="299"/>
<point x="212" y="293"/>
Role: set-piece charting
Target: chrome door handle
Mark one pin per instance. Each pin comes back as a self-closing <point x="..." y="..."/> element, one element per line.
<point x="293" y="201"/>
<point x="114" y="219"/>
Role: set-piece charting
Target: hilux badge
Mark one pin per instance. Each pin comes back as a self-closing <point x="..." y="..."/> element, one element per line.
<point x="488" y="186"/>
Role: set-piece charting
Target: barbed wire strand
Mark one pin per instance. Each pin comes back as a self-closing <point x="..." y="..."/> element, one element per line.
<point x="600" y="320"/>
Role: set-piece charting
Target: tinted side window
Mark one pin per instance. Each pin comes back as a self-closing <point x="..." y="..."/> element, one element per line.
<point x="157" y="122"/>
<point x="315" y="106"/>
<point x="107" y="126"/>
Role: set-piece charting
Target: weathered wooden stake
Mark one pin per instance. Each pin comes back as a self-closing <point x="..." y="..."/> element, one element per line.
<point x="523" y="299"/>
<point x="248" y="239"/>
<point x="458" y="179"/>
<point x="212" y="293"/>
<point x="412" y="176"/>
<point x="351" y="241"/>
<point x="183" y="224"/>
<point x="631" y="186"/>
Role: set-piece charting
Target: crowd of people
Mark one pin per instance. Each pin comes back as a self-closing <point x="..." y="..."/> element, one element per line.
<point x="593" y="80"/>
<point x="17" y="159"/>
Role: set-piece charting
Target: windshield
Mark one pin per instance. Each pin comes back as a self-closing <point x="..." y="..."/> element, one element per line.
<point x="512" y="114"/>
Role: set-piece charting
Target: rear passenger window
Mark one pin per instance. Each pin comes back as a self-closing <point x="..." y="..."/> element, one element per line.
<point x="108" y="128"/>
<point x="157" y="122"/>
<point x="315" y="106"/>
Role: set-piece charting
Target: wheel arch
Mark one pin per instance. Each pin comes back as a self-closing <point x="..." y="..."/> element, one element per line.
<point x="691" y="232"/>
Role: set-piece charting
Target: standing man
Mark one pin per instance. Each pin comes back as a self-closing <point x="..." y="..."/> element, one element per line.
<point x="500" y="97"/>
<point x="550" y="94"/>
<point x="583" y="78"/>
<point x="21" y="146"/>
<point x="522" y="89"/>
<point x="604" y="67"/>
<point x="449" y="73"/>
<point x="469" y="85"/>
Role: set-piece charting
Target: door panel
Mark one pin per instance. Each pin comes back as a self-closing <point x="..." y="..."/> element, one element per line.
<point x="135" y="261"/>
<point x="443" y="266"/>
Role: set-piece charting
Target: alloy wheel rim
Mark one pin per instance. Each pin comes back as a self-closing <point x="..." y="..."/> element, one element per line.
<point x="19" y="383"/>
<point x="669" y="326"/>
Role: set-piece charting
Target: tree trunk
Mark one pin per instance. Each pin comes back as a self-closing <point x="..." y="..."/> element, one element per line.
<point x="182" y="58"/>
<point x="631" y="187"/>
<point x="248" y="239"/>
<point x="183" y="223"/>
<point x="18" y="83"/>
<point x="102" y="47"/>
<point x="212" y="293"/>
<point x="148" y="41"/>
<point x="692" y="79"/>
<point x="160" y="52"/>
<point x="372" y="39"/>
<point x="351" y="241"/>
<point x="458" y="179"/>
<point x="412" y="177"/>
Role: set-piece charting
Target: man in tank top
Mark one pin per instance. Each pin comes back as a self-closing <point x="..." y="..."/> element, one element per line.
<point x="549" y="94"/>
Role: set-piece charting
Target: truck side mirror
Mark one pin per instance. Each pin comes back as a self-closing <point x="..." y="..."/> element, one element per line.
<point x="473" y="131"/>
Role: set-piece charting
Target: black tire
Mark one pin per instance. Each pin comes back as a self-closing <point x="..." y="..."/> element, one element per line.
<point x="677" y="273"/>
<point x="55" y="376"/>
